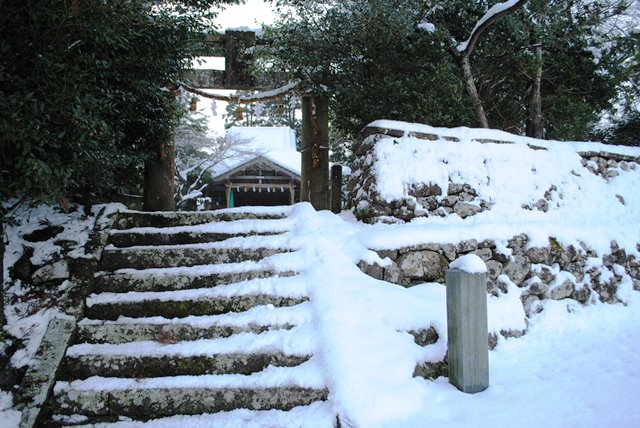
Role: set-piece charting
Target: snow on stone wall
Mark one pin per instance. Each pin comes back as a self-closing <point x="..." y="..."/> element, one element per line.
<point x="403" y="171"/>
<point x="551" y="220"/>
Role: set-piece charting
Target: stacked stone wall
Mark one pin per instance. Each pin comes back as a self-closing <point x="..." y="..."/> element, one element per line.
<point x="553" y="272"/>
<point x="428" y="199"/>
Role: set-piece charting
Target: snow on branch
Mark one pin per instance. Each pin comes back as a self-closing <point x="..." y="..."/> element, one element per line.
<point x="494" y="13"/>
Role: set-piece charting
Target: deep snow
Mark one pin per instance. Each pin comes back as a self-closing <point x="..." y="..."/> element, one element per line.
<point x="576" y="366"/>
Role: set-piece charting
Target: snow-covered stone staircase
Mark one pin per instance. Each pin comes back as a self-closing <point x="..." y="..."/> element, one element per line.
<point x="191" y="324"/>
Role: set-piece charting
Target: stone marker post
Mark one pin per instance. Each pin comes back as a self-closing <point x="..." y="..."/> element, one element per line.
<point x="468" y="348"/>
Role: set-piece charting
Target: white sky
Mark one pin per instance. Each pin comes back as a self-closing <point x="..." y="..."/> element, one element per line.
<point x="251" y="14"/>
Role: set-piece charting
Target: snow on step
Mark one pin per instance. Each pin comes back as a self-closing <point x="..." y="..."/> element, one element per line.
<point x="207" y="232"/>
<point x="124" y="333"/>
<point x="315" y="415"/>
<point x="306" y="375"/>
<point x="297" y="341"/>
<point x="128" y="239"/>
<point x="256" y="320"/>
<point x="228" y="251"/>
<point x="273" y="388"/>
<point x="243" y="353"/>
<point x="276" y="286"/>
<point x="179" y="309"/>
<point x="201" y="276"/>
<point x="237" y="297"/>
<point x="131" y="219"/>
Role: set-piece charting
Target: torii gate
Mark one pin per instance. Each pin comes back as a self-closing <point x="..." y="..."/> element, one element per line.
<point x="315" y="121"/>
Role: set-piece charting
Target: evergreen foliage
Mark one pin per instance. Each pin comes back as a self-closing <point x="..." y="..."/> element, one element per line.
<point x="398" y="59"/>
<point x="83" y="86"/>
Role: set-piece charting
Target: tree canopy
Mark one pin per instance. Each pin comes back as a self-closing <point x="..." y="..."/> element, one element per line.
<point x="85" y="89"/>
<point x="400" y="59"/>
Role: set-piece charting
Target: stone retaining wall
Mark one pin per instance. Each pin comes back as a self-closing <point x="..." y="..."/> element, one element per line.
<point x="552" y="272"/>
<point x="427" y="199"/>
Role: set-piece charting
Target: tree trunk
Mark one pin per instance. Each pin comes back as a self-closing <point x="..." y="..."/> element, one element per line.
<point x="159" y="178"/>
<point x="473" y="92"/>
<point x="315" y="151"/>
<point x="3" y="320"/>
<point x="535" y="127"/>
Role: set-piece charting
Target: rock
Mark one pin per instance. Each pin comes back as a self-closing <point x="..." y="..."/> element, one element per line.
<point x="430" y="203"/>
<point x="539" y="255"/>
<point x="423" y="265"/>
<point x="449" y="201"/>
<point x="392" y="254"/>
<point x="44" y="234"/>
<point x="493" y="341"/>
<point x="455" y="188"/>
<point x="449" y="251"/>
<point x="541" y="205"/>
<point x="606" y="290"/>
<point x="484" y="253"/>
<point x="576" y="269"/>
<point x="608" y="260"/>
<point x="57" y="270"/>
<point x="22" y="269"/>
<point x="83" y="268"/>
<point x="581" y="294"/>
<point x="531" y="305"/>
<point x="468" y="189"/>
<point x="517" y="269"/>
<point x="393" y="274"/>
<point x="373" y="270"/>
<point x="561" y="290"/>
<point x="494" y="269"/>
<point x="518" y="242"/>
<point x="425" y="336"/>
<point x="487" y="243"/>
<point x="423" y="191"/>
<point x="465" y="209"/>
<point x="500" y="257"/>
<point x="466" y="197"/>
<point x="467" y="246"/>
<point x="381" y="209"/>
<point x="536" y="286"/>
<point x="559" y="254"/>
<point x="545" y="274"/>
<point x="492" y="289"/>
<point x="502" y="284"/>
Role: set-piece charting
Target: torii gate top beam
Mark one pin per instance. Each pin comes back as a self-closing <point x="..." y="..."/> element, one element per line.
<point x="233" y="45"/>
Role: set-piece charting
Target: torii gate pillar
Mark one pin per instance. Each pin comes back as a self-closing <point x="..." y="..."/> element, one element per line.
<point x="315" y="151"/>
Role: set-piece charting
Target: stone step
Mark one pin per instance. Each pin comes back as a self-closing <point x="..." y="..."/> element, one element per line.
<point x="131" y="219"/>
<point x="146" y="404"/>
<point x="183" y="279"/>
<point x="138" y="332"/>
<point x="316" y="414"/>
<point x="111" y="310"/>
<point x="123" y="239"/>
<point x="172" y="256"/>
<point x="147" y="366"/>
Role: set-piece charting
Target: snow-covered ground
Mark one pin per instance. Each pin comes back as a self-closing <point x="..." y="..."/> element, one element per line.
<point x="576" y="366"/>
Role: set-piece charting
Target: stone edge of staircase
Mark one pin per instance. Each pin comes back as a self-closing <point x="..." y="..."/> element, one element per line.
<point x="37" y="384"/>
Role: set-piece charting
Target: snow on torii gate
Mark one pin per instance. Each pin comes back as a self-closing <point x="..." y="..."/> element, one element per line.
<point x="315" y="113"/>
